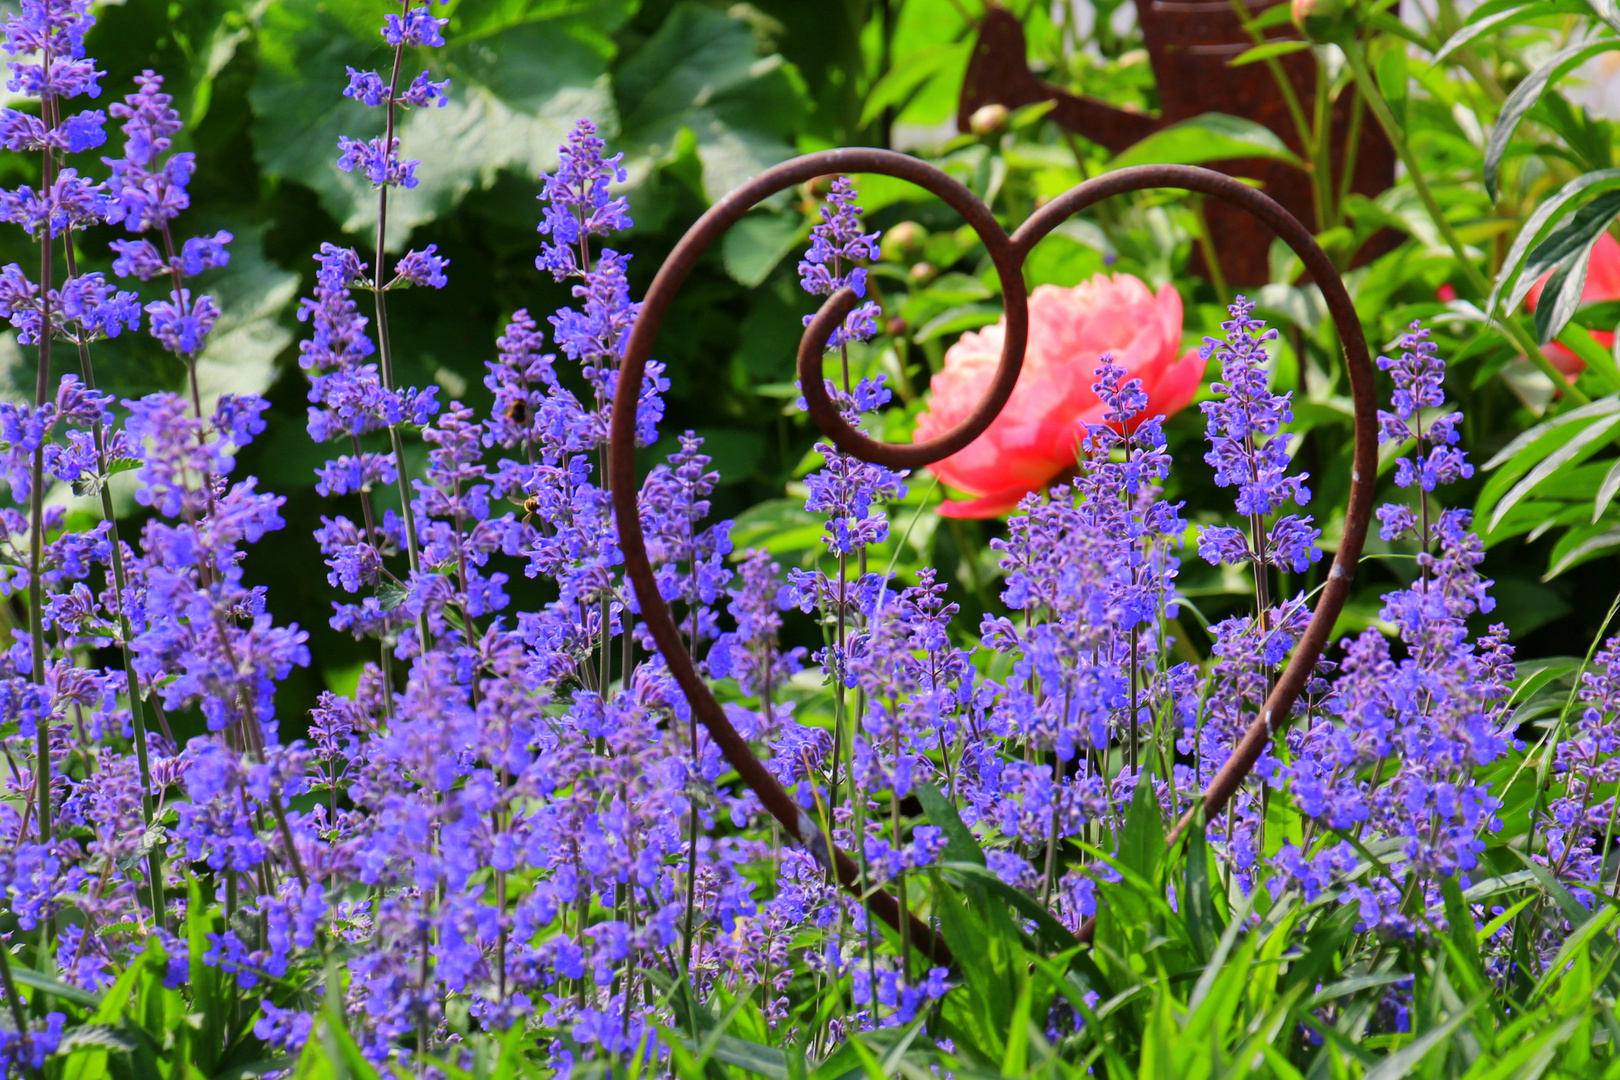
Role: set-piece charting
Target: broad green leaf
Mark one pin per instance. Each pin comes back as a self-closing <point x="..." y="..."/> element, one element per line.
<point x="700" y="72"/>
<point x="1213" y="136"/>
<point x="782" y="527"/>
<point x="911" y="72"/>
<point x="521" y="71"/>
<point x="1525" y="96"/>
<point x="253" y="294"/>
<point x="755" y="245"/>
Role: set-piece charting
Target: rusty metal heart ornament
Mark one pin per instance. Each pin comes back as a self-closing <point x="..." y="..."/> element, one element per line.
<point x="1008" y="255"/>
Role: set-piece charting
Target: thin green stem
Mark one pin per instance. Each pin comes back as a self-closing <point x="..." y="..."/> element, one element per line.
<point x="385" y="350"/>
<point x="132" y="685"/>
<point x="1414" y="172"/>
<point x="1321" y="147"/>
<point x="36" y="532"/>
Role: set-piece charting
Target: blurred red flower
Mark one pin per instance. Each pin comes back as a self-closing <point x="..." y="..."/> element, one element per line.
<point x="1036" y="436"/>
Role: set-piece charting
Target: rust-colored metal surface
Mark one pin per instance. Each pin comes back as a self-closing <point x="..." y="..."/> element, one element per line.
<point x="1189" y="43"/>
<point x="1009" y="254"/>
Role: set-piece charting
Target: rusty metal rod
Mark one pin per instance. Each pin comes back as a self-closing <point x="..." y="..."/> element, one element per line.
<point x="1008" y="257"/>
<point x="1275" y="713"/>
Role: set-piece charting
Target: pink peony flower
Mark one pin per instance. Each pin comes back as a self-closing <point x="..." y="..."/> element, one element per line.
<point x="1036" y="436"/>
<point x="1602" y="283"/>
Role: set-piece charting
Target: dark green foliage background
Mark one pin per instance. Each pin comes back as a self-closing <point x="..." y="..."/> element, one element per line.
<point x="699" y="96"/>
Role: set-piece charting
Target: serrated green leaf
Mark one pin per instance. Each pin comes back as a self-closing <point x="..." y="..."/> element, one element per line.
<point x="391" y="594"/>
<point x="93" y="1037"/>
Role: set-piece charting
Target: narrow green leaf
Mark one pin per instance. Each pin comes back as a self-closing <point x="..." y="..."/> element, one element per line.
<point x="1268" y="51"/>
<point x="57" y="989"/>
<point x="1605" y="495"/>
<point x="1501" y="14"/>
<point x="1141" y="841"/>
<point x="1599" y="360"/>
<point x="960" y="846"/>
<point x="1525" y="96"/>
<point x="1393" y="79"/>
<point x="1600" y="407"/>
<point x="1538" y="225"/>
<point x="1608" y="11"/>
<point x="1197" y="902"/>
<point x="1584" y="443"/>
<point x="1404" y="1060"/>
<point x="1569" y="241"/>
<point x="1211" y="137"/>
<point x="760" y="1060"/>
<point x="1577" y="546"/>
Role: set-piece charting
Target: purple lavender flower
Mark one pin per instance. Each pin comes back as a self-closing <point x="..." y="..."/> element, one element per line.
<point x="50" y="33"/>
<point x="1249" y="451"/>
<point x="578" y="205"/>
<point x="381" y="164"/>
<point x="1418" y="373"/>
<point x="418" y="27"/>
<point x="147" y="193"/>
<point x="836" y="247"/>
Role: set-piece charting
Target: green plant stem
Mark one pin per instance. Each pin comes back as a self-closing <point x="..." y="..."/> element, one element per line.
<point x="1321" y="149"/>
<point x="385" y="352"/>
<point x="36" y="531"/>
<point x="1285" y="85"/>
<point x="1357" y="59"/>
<point x="13" y="999"/>
<point x="137" y="706"/>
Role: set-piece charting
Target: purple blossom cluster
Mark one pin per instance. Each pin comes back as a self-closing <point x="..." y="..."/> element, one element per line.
<point x="513" y="818"/>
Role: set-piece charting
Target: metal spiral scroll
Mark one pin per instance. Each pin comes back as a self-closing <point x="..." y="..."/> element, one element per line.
<point x="1008" y="254"/>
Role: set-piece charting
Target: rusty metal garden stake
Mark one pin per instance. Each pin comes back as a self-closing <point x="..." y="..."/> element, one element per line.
<point x="1008" y="255"/>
